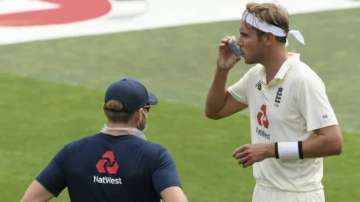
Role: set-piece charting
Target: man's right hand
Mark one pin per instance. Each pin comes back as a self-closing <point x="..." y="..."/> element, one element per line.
<point x="226" y="59"/>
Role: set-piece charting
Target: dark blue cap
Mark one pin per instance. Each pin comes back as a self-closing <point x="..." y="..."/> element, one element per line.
<point x="131" y="94"/>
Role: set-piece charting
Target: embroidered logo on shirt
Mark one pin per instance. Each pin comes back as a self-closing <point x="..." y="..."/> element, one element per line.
<point x="258" y="85"/>
<point x="107" y="164"/>
<point x="262" y="117"/>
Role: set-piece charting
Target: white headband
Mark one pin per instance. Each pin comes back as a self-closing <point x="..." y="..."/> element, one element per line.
<point x="268" y="28"/>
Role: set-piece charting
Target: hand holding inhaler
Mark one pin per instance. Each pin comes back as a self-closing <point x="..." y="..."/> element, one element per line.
<point x="229" y="53"/>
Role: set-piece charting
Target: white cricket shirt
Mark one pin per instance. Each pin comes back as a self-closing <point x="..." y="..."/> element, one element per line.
<point x="289" y="108"/>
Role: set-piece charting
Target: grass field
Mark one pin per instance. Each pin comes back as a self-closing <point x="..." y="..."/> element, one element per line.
<point x="52" y="91"/>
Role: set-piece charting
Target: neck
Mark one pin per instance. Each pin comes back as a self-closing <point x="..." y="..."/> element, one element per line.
<point x="273" y="61"/>
<point x="117" y="129"/>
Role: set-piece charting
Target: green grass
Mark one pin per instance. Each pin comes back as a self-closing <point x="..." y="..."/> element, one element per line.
<point x="42" y="116"/>
<point x="178" y="62"/>
<point x="51" y="94"/>
<point x="42" y="128"/>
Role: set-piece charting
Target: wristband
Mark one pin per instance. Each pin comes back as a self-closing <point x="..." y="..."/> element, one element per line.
<point x="276" y="150"/>
<point x="301" y="153"/>
<point x="288" y="150"/>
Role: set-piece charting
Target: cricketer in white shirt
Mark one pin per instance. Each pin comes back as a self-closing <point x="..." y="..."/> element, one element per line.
<point x="288" y="109"/>
<point x="292" y="122"/>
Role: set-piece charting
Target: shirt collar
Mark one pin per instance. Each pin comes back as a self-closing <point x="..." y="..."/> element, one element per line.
<point x="280" y="75"/>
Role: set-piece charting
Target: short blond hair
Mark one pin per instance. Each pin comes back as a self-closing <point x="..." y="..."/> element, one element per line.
<point x="272" y="14"/>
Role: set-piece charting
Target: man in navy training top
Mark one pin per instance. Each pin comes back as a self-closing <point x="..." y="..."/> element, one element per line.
<point x="116" y="164"/>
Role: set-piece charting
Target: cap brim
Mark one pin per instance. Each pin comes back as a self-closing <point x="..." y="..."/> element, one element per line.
<point x="152" y="99"/>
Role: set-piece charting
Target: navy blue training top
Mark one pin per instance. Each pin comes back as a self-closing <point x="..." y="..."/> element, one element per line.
<point x="110" y="168"/>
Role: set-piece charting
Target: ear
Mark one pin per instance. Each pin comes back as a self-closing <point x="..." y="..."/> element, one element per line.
<point x="269" y="39"/>
<point x="137" y="116"/>
<point x="141" y="114"/>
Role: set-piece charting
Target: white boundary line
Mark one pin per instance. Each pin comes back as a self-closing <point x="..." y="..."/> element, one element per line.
<point x="151" y="14"/>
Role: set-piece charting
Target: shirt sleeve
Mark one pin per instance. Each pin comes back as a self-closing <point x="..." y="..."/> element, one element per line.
<point x="239" y="89"/>
<point x="314" y="104"/>
<point x="165" y="174"/>
<point x="53" y="177"/>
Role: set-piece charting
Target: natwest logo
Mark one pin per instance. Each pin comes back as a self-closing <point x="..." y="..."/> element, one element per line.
<point x="262" y="117"/>
<point x="107" y="164"/>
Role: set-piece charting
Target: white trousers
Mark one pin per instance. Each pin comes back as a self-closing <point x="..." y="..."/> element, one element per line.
<point x="264" y="194"/>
